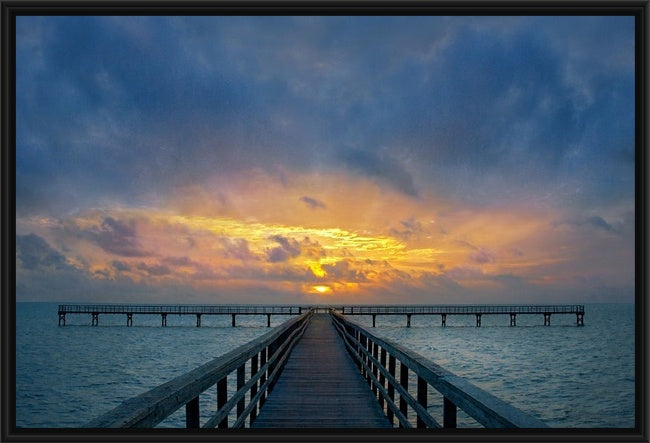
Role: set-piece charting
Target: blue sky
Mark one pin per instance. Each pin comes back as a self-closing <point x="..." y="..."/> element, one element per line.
<point x="493" y="157"/>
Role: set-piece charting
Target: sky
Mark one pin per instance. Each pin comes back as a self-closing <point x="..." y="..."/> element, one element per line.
<point x="325" y="159"/>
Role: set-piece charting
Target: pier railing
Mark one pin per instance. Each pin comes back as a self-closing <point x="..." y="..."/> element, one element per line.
<point x="265" y="356"/>
<point x="462" y="309"/>
<point x="378" y="360"/>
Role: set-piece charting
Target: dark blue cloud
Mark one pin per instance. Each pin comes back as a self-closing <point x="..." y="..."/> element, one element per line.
<point x="313" y="203"/>
<point x="36" y="254"/>
<point x="380" y="166"/>
<point x="485" y="108"/>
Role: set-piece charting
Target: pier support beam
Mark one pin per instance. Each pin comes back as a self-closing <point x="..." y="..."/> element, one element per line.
<point x="513" y="319"/>
<point x="61" y="319"/>
<point x="444" y="320"/>
<point x="198" y="320"/>
<point x="373" y="319"/>
<point x="268" y="320"/>
<point x="408" y="320"/>
<point x="164" y="319"/>
<point x="478" y="320"/>
<point x="129" y="319"/>
<point x="580" y="319"/>
<point x="233" y="320"/>
<point x="547" y="319"/>
<point x="299" y="309"/>
<point x="95" y="319"/>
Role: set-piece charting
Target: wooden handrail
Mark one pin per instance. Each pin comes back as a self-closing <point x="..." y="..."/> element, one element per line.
<point x="460" y="309"/>
<point x="150" y="408"/>
<point x="457" y="392"/>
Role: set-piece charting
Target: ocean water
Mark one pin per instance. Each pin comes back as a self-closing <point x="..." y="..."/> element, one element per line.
<point x="567" y="376"/>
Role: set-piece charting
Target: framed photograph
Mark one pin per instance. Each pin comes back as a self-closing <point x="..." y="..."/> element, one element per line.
<point x="302" y="221"/>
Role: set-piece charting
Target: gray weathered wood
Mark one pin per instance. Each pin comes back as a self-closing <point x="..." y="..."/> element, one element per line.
<point x="150" y="408"/>
<point x="320" y="386"/>
<point x="484" y="407"/>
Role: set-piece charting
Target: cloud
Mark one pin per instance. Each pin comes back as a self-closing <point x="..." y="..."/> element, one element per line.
<point x="380" y="166"/>
<point x="288" y="249"/>
<point x="411" y="228"/>
<point x="120" y="266"/>
<point x="116" y="237"/>
<point x="594" y="221"/>
<point x="237" y="248"/>
<point x="482" y="255"/>
<point x="345" y="270"/>
<point x="36" y="254"/>
<point x="154" y="270"/>
<point x="600" y="223"/>
<point x="313" y="203"/>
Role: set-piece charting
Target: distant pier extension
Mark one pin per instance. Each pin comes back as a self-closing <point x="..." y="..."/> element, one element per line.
<point x="408" y="310"/>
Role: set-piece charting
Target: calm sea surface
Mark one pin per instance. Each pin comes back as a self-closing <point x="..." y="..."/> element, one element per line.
<point x="565" y="375"/>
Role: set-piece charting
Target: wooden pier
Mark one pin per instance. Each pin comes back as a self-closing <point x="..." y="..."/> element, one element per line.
<point x="476" y="310"/>
<point x="408" y="310"/>
<point x="318" y="371"/>
<point x="165" y="310"/>
<point x="321" y="387"/>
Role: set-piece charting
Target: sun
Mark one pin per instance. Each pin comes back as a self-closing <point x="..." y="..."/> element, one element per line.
<point x="322" y="289"/>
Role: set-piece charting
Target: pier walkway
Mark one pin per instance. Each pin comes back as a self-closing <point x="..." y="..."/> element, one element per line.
<point x="318" y="369"/>
<point x="321" y="387"/>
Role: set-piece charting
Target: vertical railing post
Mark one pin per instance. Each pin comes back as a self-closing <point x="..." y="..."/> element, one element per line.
<point x="192" y="413"/>
<point x="241" y="380"/>
<point x="375" y="370"/>
<point x="391" y="388"/>
<point x="273" y="347"/>
<point x="254" y="370"/>
<point x="222" y="398"/>
<point x="404" y="381"/>
<point x="422" y="399"/>
<point x="357" y="336"/>
<point x="449" y="414"/>
<point x="263" y="376"/>
<point x="382" y="377"/>
<point x="364" y="342"/>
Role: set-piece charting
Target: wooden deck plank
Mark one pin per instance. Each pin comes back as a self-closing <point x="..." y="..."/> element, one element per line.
<point x="320" y="387"/>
